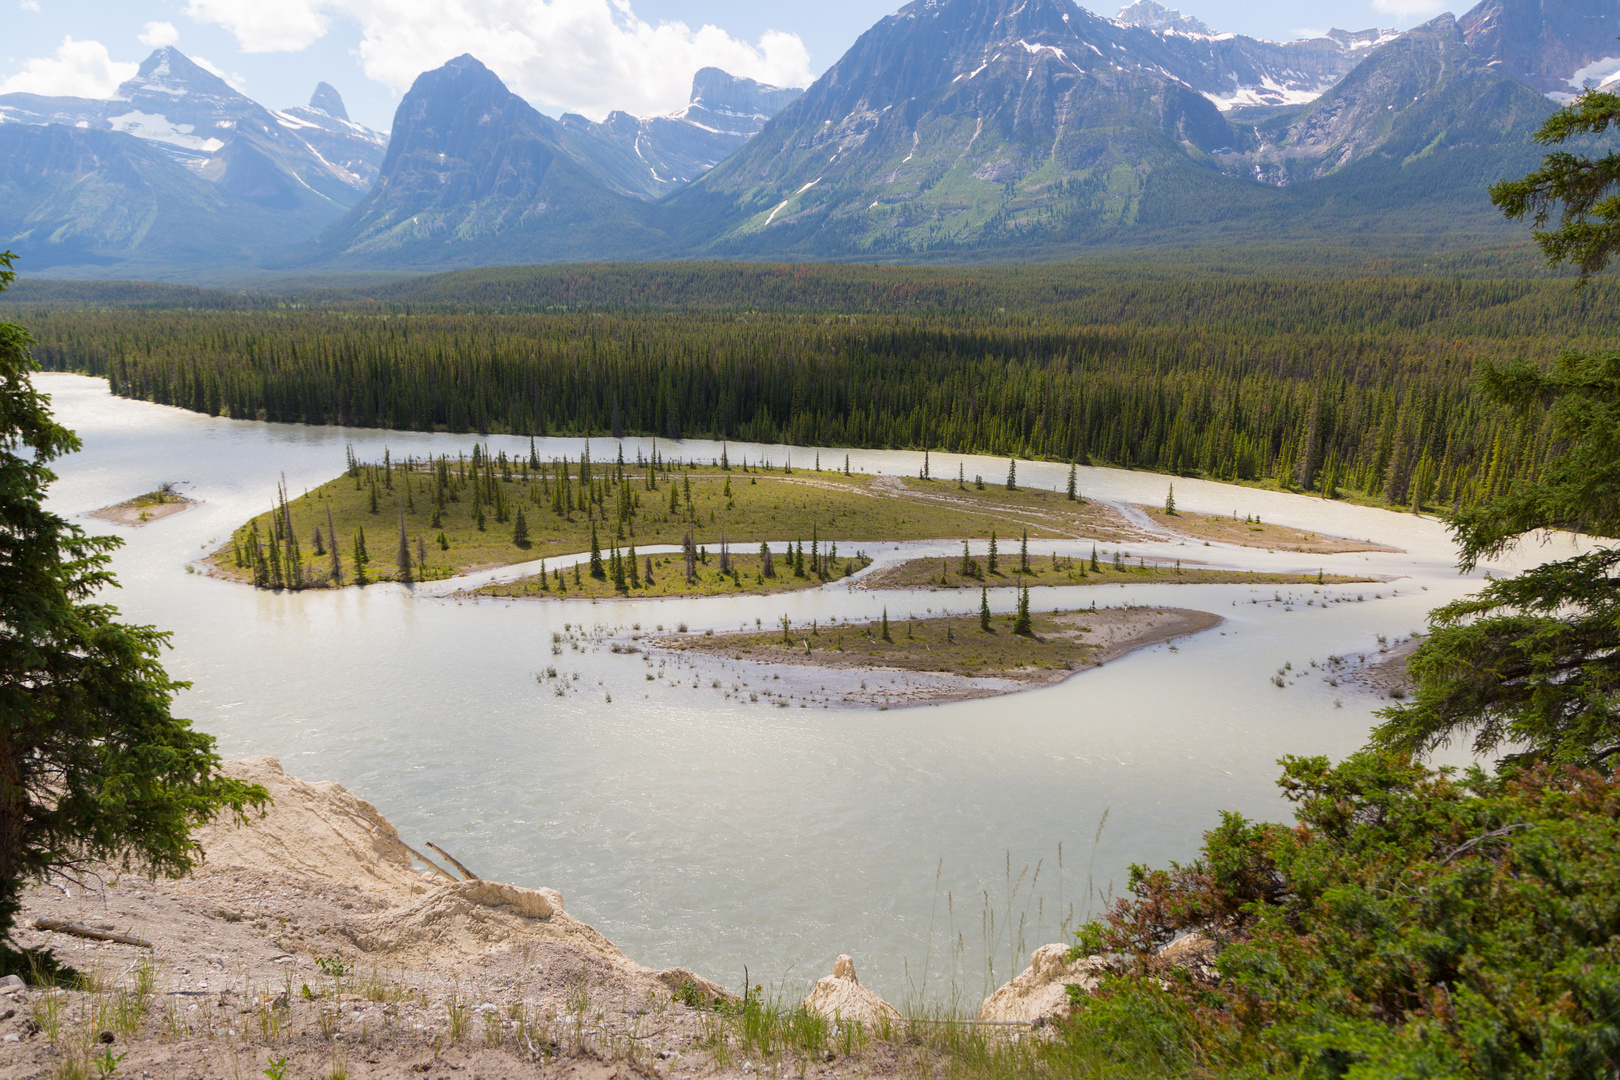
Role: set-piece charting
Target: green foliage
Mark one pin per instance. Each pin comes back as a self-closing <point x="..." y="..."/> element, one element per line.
<point x="1412" y="924"/>
<point x="1367" y="384"/>
<point x="1586" y="193"/>
<point x="1529" y="663"/>
<point x="92" y="764"/>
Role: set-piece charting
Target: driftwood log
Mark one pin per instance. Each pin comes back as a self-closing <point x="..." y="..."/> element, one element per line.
<point x="81" y="930"/>
<point x="469" y="874"/>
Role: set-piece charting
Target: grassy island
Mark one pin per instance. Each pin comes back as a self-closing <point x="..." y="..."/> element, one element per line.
<point x="664" y="577"/>
<point x="1104" y="568"/>
<point x="425" y="520"/>
<point x="1056" y="645"/>
<point x="161" y="502"/>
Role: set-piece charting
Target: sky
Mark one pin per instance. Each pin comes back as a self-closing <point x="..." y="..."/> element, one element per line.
<point x="586" y="56"/>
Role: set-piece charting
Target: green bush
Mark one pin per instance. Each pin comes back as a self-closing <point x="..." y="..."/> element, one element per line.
<point x="1414" y="923"/>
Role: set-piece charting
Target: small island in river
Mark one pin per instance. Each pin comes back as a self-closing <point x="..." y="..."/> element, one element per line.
<point x="953" y="657"/>
<point x="161" y="502"/>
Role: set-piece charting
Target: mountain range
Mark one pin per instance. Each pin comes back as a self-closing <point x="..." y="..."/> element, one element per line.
<point x="960" y="129"/>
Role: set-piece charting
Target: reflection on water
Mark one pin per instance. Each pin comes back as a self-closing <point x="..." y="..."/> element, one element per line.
<point x="715" y="833"/>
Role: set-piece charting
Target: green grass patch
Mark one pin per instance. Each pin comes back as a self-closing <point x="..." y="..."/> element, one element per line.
<point x="460" y="515"/>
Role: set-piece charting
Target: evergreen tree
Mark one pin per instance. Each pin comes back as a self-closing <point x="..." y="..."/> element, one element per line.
<point x="992" y="561"/>
<point x="1170" y="501"/>
<point x="1023" y="554"/>
<point x="1021" y="621"/>
<point x="360" y="556"/>
<point x="767" y="563"/>
<point x="320" y="544"/>
<point x="1096" y="568"/>
<point x="93" y="766"/>
<point x="798" y="559"/>
<point x="1012" y="474"/>
<point x="1074" y="489"/>
<point x="885" y="633"/>
<point x="621" y="581"/>
<point x="1583" y="191"/>
<point x="402" y="557"/>
<point x="331" y="538"/>
<point x="632" y="568"/>
<point x="520" y="530"/>
<point x="598" y="571"/>
<point x="984" y="609"/>
<point x="647" y="575"/>
<point x="961" y="477"/>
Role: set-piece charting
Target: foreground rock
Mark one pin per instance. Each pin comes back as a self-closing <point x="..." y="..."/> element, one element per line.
<point x="840" y="997"/>
<point x="307" y="935"/>
<point x="1040" y="993"/>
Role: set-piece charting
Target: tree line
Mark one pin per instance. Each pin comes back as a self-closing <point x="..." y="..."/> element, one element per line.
<point x="1259" y="389"/>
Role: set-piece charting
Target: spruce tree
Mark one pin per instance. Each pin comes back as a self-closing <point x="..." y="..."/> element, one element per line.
<point x="1023" y="554"/>
<point x="885" y="634"/>
<point x="632" y="568"/>
<point x="331" y="542"/>
<point x="1021" y="622"/>
<point x="597" y="570"/>
<point x="1012" y="474"/>
<point x="93" y="766"/>
<point x="402" y="557"/>
<point x="984" y="609"/>
<point x="621" y="581"/>
<point x="992" y="561"/>
<point x="647" y="576"/>
<point x="1095" y="566"/>
<point x="360" y="556"/>
<point x="520" y="530"/>
<point x="1074" y="489"/>
<point x="1170" y="501"/>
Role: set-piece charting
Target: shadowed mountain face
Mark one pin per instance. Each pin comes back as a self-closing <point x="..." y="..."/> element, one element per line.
<point x="474" y="173"/>
<point x="1559" y="47"/>
<point x="93" y="198"/>
<point x="654" y="155"/>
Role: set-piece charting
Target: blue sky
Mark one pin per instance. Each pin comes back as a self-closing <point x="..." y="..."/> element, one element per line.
<point x="581" y="55"/>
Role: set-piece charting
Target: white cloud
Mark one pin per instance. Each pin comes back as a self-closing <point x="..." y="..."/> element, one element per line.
<point x="236" y="81"/>
<point x="28" y="5"/>
<point x="1405" y="10"/>
<point x="158" y="34"/>
<point x="586" y="56"/>
<point x="79" y="69"/>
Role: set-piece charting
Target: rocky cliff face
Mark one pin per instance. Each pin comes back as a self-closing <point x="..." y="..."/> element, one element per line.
<point x="1559" y="47"/>
<point x="654" y="155"/>
<point x="223" y="136"/>
<point x="474" y="172"/>
<point x="1426" y="94"/>
<point x="325" y="125"/>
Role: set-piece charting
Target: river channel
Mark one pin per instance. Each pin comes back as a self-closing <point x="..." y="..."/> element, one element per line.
<point x="696" y="828"/>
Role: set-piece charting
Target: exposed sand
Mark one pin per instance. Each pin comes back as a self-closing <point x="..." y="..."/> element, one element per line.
<point x="823" y="676"/>
<point x="1256" y="534"/>
<point x="134" y="515"/>
<point x="324" y="878"/>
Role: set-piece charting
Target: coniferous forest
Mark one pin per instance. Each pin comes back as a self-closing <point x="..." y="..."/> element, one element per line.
<point x="1350" y="388"/>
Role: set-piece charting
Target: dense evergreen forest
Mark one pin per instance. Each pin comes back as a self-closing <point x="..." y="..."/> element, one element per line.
<point x="1361" y="387"/>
